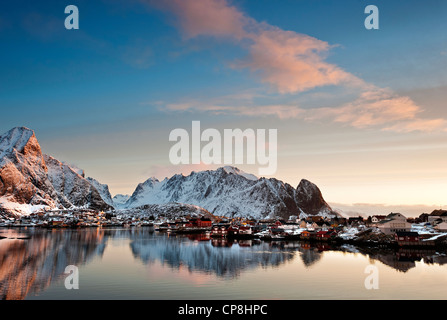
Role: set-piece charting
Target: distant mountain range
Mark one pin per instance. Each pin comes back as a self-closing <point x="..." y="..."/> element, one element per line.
<point x="31" y="180"/>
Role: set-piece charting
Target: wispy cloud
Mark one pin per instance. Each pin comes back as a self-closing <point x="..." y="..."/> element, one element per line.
<point x="425" y="125"/>
<point x="378" y="108"/>
<point x="291" y="63"/>
<point x="383" y="108"/>
<point x="205" y="17"/>
<point x="280" y="111"/>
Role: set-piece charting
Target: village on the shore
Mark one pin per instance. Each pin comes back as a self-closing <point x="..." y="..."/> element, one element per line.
<point x="392" y="229"/>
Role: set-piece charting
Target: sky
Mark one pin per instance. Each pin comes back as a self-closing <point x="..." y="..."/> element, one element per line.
<point x="361" y="113"/>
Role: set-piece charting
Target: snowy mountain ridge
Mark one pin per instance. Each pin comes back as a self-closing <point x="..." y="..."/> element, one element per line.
<point x="31" y="180"/>
<point x="228" y="191"/>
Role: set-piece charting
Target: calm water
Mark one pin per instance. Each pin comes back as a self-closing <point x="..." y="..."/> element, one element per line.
<point x="142" y="264"/>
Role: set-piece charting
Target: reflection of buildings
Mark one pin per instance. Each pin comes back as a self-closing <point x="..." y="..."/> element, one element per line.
<point x="198" y="237"/>
<point x="225" y="258"/>
<point x="403" y="259"/>
<point x="29" y="266"/>
<point x="439" y="259"/>
<point x="221" y="242"/>
<point x="310" y="253"/>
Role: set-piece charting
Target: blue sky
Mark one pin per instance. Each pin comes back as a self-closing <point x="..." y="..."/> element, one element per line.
<point x="106" y="96"/>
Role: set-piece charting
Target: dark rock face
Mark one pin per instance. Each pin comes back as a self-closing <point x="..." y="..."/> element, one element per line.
<point x="309" y="198"/>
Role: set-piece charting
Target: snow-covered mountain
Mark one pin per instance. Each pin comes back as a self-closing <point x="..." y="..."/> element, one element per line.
<point x="30" y="180"/>
<point x="231" y="192"/>
<point x="103" y="190"/>
<point x="119" y="200"/>
<point x="74" y="190"/>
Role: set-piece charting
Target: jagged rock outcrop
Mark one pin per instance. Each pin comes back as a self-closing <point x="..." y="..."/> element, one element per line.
<point x="23" y="171"/>
<point x="72" y="189"/>
<point x="30" y="180"/>
<point x="308" y="198"/>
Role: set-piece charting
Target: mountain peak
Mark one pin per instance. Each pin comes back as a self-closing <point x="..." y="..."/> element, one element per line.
<point x="229" y="191"/>
<point x="309" y="197"/>
<point x="30" y="178"/>
<point x="308" y="187"/>
<point x="235" y="170"/>
<point x="151" y="181"/>
<point x="18" y="139"/>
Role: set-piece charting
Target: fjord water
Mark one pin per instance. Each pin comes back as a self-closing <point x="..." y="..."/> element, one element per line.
<point x="138" y="263"/>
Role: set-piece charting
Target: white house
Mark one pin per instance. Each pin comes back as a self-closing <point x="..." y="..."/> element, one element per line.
<point x="393" y="223"/>
<point x="376" y="219"/>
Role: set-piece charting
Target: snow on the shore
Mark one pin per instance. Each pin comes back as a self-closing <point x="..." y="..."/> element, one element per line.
<point x="22" y="209"/>
<point x="436" y="237"/>
<point x="349" y="233"/>
<point x="423" y="228"/>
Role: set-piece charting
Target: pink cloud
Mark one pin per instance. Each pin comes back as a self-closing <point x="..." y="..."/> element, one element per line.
<point x="376" y="107"/>
<point x="381" y="108"/>
<point x="289" y="61"/>
<point x="205" y="17"/>
<point x="373" y="109"/>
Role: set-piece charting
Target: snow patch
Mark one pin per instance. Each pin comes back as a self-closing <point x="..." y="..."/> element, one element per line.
<point x="234" y="170"/>
<point x="20" y="209"/>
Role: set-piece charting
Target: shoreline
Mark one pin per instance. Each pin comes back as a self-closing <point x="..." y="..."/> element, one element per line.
<point x="336" y="241"/>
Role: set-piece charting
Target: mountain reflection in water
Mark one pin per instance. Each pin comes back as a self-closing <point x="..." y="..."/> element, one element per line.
<point x="32" y="259"/>
<point x="223" y="258"/>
